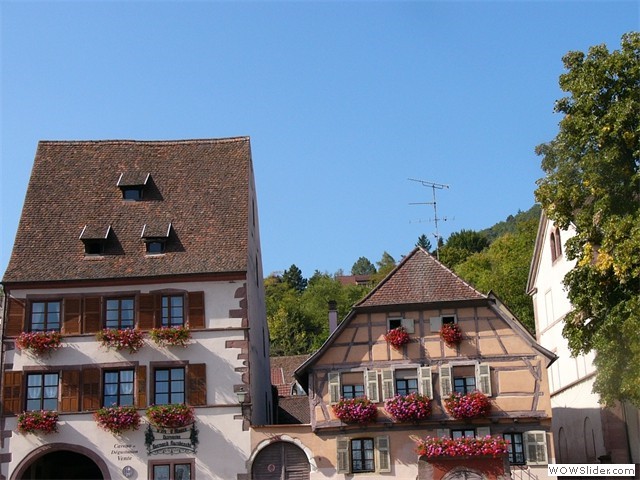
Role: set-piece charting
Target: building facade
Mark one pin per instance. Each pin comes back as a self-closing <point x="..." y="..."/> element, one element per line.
<point x="124" y="249"/>
<point x="496" y="361"/>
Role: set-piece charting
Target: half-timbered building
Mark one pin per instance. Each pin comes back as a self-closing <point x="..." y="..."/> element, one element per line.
<point x="124" y="250"/>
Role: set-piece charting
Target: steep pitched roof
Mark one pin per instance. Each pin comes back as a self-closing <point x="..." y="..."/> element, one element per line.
<point x="201" y="188"/>
<point x="282" y="369"/>
<point x="420" y="278"/>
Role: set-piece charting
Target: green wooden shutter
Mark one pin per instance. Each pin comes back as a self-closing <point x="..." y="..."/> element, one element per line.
<point x="387" y="384"/>
<point x="342" y="457"/>
<point x="408" y="325"/>
<point x="371" y="377"/>
<point x="483" y="378"/>
<point x="383" y="454"/>
<point x="445" y="381"/>
<point x="435" y="323"/>
<point x="535" y="442"/>
<point x="334" y="387"/>
<point x="424" y="381"/>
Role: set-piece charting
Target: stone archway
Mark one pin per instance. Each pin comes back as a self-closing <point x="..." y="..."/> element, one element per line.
<point x="462" y="473"/>
<point x="280" y="461"/>
<point x="59" y="461"/>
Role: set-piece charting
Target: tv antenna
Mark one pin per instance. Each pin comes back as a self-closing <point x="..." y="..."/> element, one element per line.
<point x="434" y="186"/>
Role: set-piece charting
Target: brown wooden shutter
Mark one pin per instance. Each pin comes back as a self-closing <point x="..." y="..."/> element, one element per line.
<point x="16" y="317"/>
<point x="72" y="316"/>
<point x="196" y="310"/>
<point x="197" y="386"/>
<point x="11" y="399"/>
<point x="92" y="314"/>
<point x="70" y="400"/>
<point x="148" y="311"/>
<point x="141" y="382"/>
<point x="91" y="389"/>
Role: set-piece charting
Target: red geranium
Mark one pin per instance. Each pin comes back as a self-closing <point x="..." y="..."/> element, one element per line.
<point x="44" y="421"/>
<point x="397" y="337"/>
<point x="170" y="416"/>
<point x="127" y="338"/>
<point x="355" y="410"/>
<point x="462" y="447"/>
<point x="171" y="336"/>
<point x="408" y="408"/>
<point x="451" y="334"/>
<point x="39" y="342"/>
<point x="117" y="419"/>
<point x="471" y="405"/>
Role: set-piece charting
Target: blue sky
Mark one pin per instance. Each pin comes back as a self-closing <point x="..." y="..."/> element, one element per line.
<point x="343" y="101"/>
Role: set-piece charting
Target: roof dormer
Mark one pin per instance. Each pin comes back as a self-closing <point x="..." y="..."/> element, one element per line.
<point x="132" y="185"/>
<point x="155" y="237"/>
<point x="95" y="239"/>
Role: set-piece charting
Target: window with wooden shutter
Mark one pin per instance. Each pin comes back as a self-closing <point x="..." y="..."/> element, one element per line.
<point x="383" y="454"/>
<point x="343" y="455"/>
<point x="388" y="390"/>
<point x="424" y="381"/>
<point x="91" y="389"/>
<point x="536" y="447"/>
<point x="197" y="384"/>
<point x="14" y="324"/>
<point x="435" y="323"/>
<point x="92" y="315"/>
<point x="11" y="393"/>
<point x="70" y="397"/>
<point x="372" y="385"/>
<point x="147" y="311"/>
<point x="72" y="316"/>
<point x="334" y="387"/>
<point x="483" y="378"/>
<point x="196" y="310"/>
<point x="445" y="381"/>
<point x="141" y="386"/>
<point x="408" y="325"/>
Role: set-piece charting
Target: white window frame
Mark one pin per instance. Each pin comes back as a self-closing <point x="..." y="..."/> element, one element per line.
<point x="482" y="374"/>
<point x="382" y="454"/>
<point x="423" y="374"/>
<point x="369" y="380"/>
<point x="535" y="447"/>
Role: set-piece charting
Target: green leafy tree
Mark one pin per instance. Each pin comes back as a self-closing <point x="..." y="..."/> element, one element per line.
<point x="592" y="182"/>
<point x="293" y="277"/>
<point x="460" y="246"/>
<point x="424" y="242"/>
<point x="385" y="265"/>
<point x="363" y="266"/>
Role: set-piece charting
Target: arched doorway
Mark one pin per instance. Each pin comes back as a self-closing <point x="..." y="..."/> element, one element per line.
<point x="62" y="462"/>
<point x="462" y="474"/>
<point x="280" y="461"/>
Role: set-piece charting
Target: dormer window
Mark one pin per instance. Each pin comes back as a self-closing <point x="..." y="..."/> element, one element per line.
<point x="132" y="185"/>
<point x="95" y="239"/>
<point x="155" y="238"/>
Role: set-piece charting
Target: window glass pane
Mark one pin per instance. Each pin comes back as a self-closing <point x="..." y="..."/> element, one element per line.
<point x="37" y="307"/>
<point x="34" y="392"/>
<point x="162" y="387"/>
<point x="50" y="404"/>
<point x="51" y="379"/>
<point x="162" y="399"/>
<point x="177" y="374"/>
<point x="126" y="376"/>
<point x="183" y="472"/>
<point x="110" y="377"/>
<point x="162" y="375"/>
<point x="33" y="404"/>
<point x="34" y="380"/>
<point x="177" y="398"/>
<point x="161" y="472"/>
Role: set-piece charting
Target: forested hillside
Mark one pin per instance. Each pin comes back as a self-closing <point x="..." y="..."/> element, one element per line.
<point x="495" y="259"/>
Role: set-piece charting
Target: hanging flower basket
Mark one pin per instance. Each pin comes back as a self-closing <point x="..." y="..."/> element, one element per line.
<point x="355" y="410"/>
<point x="462" y="447"/>
<point x="451" y="334"/>
<point x="471" y="405"/>
<point x="397" y="338"/>
<point x="171" y="336"/>
<point x="128" y="338"/>
<point x="170" y="416"/>
<point x="39" y="343"/>
<point x="38" y="421"/>
<point x="408" y="408"/>
<point x="117" y="419"/>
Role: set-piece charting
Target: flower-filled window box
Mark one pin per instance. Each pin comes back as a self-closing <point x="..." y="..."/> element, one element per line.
<point x="39" y="343"/>
<point x="462" y="447"/>
<point x="171" y="336"/>
<point x="355" y="410"/>
<point x="38" y="421"/>
<point x="451" y="334"/>
<point x="171" y="416"/>
<point x="397" y="338"/>
<point x="408" y="408"/>
<point x="128" y="338"/>
<point x="117" y="419"/>
<point x="471" y="405"/>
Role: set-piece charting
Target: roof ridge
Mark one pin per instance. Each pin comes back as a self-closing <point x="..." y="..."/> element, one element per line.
<point x="156" y="142"/>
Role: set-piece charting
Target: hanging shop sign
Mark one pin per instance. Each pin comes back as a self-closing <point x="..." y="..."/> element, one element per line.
<point x="171" y="441"/>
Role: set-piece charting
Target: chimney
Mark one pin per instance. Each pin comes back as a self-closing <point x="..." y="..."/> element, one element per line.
<point x="333" y="316"/>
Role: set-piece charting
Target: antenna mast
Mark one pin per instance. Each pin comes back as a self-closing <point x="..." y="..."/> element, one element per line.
<point x="434" y="186"/>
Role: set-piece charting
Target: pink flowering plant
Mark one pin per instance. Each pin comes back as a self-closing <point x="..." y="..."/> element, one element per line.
<point x="408" y="408"/>
<point x="171" y="416"/>
<point x="39" y="343"/>
<point x="355" y="410"/>
<point x="462" y="447"/>
<point x="117" y="419"/>
<point x="451" y="334"/>
<point x="38" y="421"/>
<point x="126" y="339"/>
<point x="397" y="338"/>
<point x="171" y="336"/>
<point x="471" y="405"/>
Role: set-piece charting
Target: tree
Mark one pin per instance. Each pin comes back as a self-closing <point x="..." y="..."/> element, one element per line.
<point x="293" y="277"/>
<point x="363" y="266"/>
<point x="461" y="245"/>
<point x="424" y="242"/>
<point x="592" y="182"/>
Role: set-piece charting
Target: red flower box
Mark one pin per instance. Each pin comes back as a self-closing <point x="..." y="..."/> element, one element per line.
<point x="462" y="447"/>
<point x="471" y="405"/>
<point x="170" y="416"/>
<point x="117" y="419"/>
<point x="127" y="338"/>
<point x="397" y="338"/>
<point x="408" y="408"/>
<point x="42" y="421"/>
<point x="39" y="343"/>
<point x="171" y="336"/>
<point x="355" y="410"/>
<point x="451" y="334"/>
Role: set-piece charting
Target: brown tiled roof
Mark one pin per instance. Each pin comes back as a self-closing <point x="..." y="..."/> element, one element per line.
<point x="294" y="410"/>
<point x="200" y="187"/>
<point x="282" y="369"/>
<point x="420" y="278"/>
